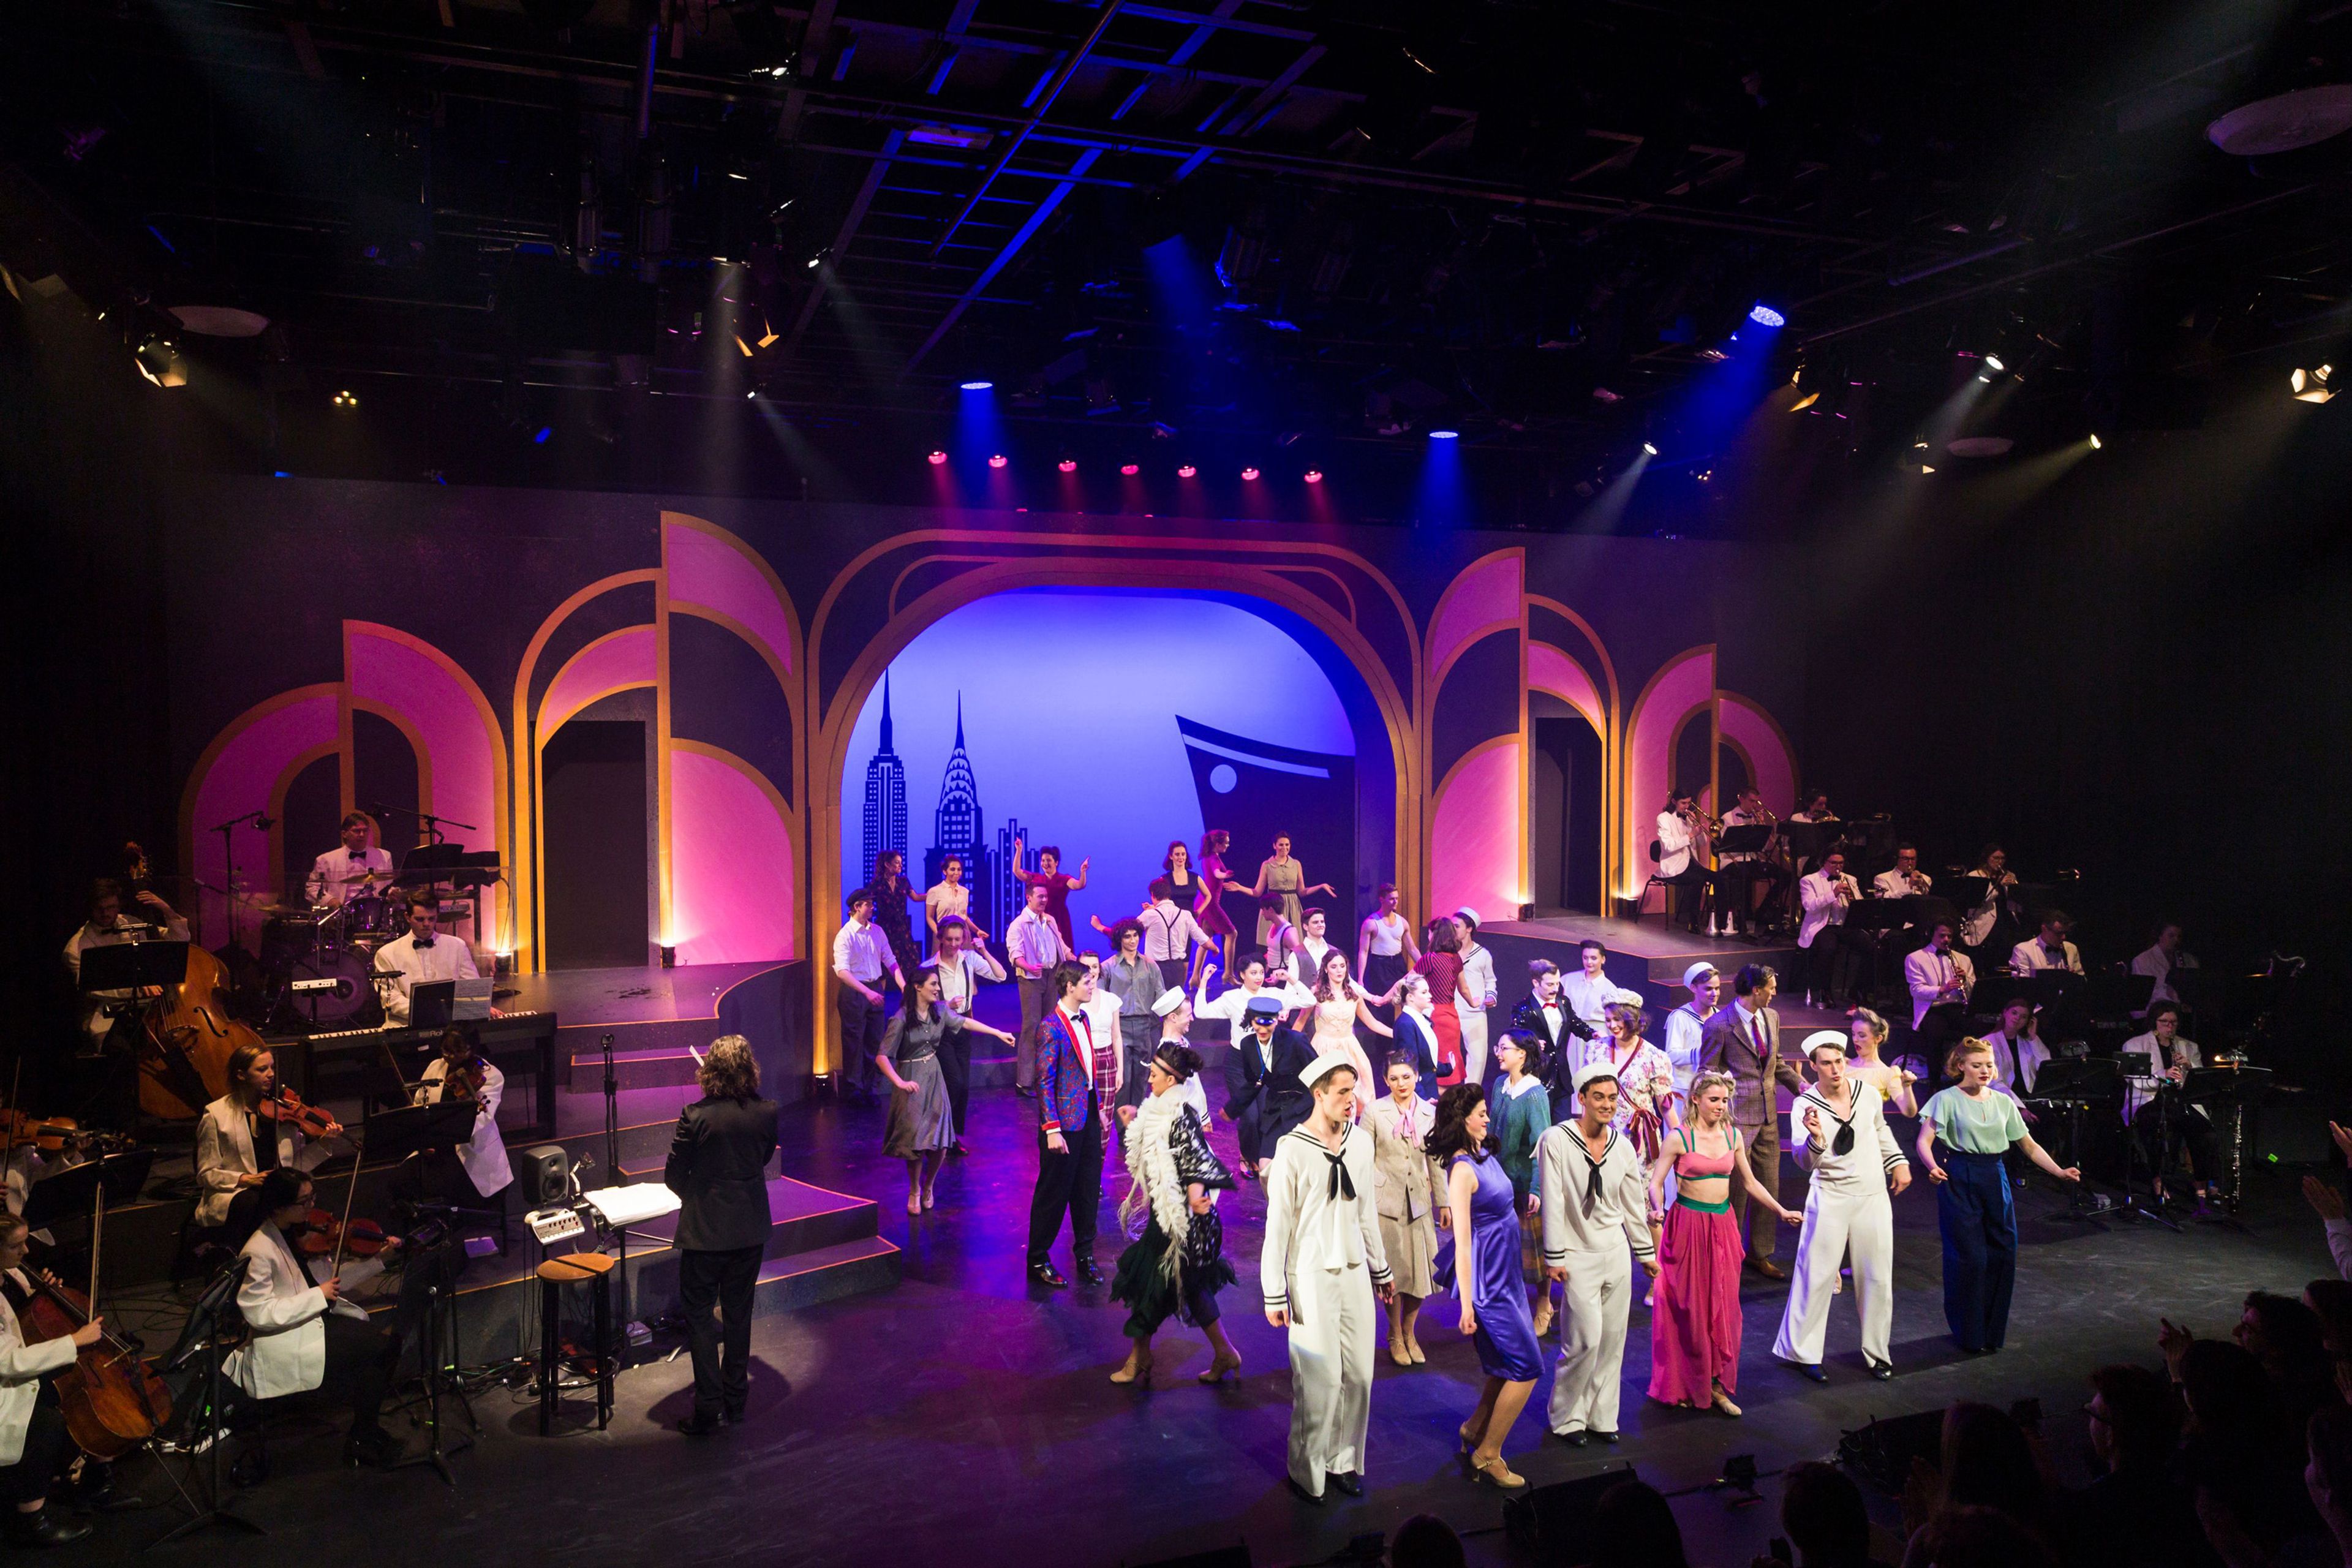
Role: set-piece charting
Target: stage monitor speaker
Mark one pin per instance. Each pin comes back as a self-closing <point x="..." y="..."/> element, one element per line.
<point x="1553" y="1525"/>
<point x="1880" y="1454"/>
<point x="1234" y="1556"/>
<point x="543" y="1175"/>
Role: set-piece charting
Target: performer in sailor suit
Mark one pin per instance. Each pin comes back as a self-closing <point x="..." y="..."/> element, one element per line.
<point x="1322" y="1249"/>
<point x="1853" y="1158"/>
<point x="1591" y="1207"/>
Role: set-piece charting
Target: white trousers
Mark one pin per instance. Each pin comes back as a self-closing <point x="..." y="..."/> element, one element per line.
<point x="1600" y="1293"/>
<point x="1473" y="1042"/>
<point x="1836" y="1217"/>
<point x="1334" y="1324"/>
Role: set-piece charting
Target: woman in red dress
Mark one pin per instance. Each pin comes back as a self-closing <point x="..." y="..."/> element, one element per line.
<point x="1441" y="964"/>
<point x="1216" y="879"/>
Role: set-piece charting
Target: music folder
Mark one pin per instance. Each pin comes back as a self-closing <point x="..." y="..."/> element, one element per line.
<point x="432" y="1004"/>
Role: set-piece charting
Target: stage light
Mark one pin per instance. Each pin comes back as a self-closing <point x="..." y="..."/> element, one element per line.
<point x="1130" y="471"/>
<point x="937" y="459"/>
<point x="2310" y="385"/>
<point x="1804" y="402"/>
<point x="2095" y="440"/>
<point x="158" y="359"/>
<point x="1445" y="434"/>
<point x="1248" y="475"/>
<point x="1186" y="471"/>
<point x="1649" y="449"/>
<point x="1992" y="362"/>
<point x="1313" y="476"/>
<point x="1067" y="464"/>
<point x="1925" y="469"/>
<point x="997" y="460"/>
<point x="977" y="386"/>
<point x="345" y="400"/>
<point x="668" y="956"/>
<point x="1763" y="315"/>
<point x="540" y="436"/>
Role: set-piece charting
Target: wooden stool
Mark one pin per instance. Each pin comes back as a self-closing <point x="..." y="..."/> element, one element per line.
<point x="554" y="1274"/>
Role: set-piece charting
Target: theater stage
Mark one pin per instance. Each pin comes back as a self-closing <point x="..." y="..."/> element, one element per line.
<point x="962" y="1416"/>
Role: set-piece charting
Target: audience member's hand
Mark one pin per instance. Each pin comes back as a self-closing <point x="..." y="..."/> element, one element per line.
<point x="2174" y="1342"/>
<point x="2323" y="1199"/>
<point x="2225" y="1534"/>
<point x="1923" y="1493"/>
<point x="2343" y="1136"/>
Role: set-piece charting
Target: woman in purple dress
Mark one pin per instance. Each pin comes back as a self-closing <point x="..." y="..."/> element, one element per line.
<point x="1482" y="1213"/>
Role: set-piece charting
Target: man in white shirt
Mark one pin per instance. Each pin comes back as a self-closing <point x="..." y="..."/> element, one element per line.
<point x="1104" y="1006"/>
<point x="1856" y="1166"/>
<point x="2018" y="1051"/>
<point x="861" y="956"/>
<point x="2164" y="955"/>
<point x="1837" y="949"/>
<point x="1739" y="874"/>
<point x="1940" y="981"/>
<point x="1034" y="944"/>
<point x="1171" y="933"/>
<point x="2051" y="950"/>
<point x="1589" y="989"/>
<point x="963" y="964"/>
<point x="1589" y="1184"/>
<point x="1686" y="1025"/>
<point x="1905" y="879"/>
<point x="422" y="957"/>
<point x="2160" y="1118"/>
<point x="1230" y="1006"/>
<point x="1682" y="858"/>
<point x="342" y="874"/>
<point x="476" y="1170"/>
<point x="108" y="927"/>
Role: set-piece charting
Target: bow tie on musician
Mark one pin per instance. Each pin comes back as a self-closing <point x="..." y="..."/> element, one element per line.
<point x="472" y="1174"/>
<point x="424" y="955"/>
<point x="1838" y="953"/>
<point x="352" y="870"/>
<point x="1757" y="881"/>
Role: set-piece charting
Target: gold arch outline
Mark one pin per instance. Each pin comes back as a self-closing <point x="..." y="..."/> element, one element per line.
<point x="822" y="848"/>
<point x="1604" y="729"/>
<point x="1796" y="778"/>
<point x="1616" y="826"/>
<point x="523" y="884"/>
<point x="1425" y="716"/>
<point x="541" y="735"/>
<point x="204" y="766"/>
<point x="501" y="838"/>
<point x="538" y="720"/>
<point x="285" y="781"/>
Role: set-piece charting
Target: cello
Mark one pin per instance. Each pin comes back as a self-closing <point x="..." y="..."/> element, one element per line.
<point x="113" y="1401"/>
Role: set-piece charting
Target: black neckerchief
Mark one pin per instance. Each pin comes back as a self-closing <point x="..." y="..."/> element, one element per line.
<point x="1843" y="1142"/>
<point x="1591" y="1166"/>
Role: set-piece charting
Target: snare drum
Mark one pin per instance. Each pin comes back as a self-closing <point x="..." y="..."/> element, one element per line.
<point x="372" y="917"/>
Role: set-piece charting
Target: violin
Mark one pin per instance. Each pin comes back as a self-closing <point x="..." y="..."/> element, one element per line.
<point x="288" y="1109"/>
<point x="463" y="1080"/>
<point x="323" y="1236"/>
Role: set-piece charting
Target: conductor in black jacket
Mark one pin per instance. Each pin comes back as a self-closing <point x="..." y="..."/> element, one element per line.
<point x="717" y="1167"/>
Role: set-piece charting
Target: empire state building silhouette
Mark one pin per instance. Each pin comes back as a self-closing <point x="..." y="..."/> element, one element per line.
<point x="886" y="795"/>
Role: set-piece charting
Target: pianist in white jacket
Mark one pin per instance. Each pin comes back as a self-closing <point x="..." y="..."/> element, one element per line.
<point x="306" y="1336"/>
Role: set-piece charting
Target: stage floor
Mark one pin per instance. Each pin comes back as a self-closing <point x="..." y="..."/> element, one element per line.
<point x="965" y="1416"/>
<point x="645" y="994"/>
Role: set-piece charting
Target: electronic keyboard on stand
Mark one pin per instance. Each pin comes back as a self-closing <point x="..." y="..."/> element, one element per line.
<point x="349" y="1063"/>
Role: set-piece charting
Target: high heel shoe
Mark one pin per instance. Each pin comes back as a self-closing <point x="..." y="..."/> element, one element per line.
<point x="1543" y="1321"/>
<point x="1220" y="1367"/>
<point x="1462" y="1454"/>
<point x="1398" y="1353"/>
<point x="1500" y="1476"/>
<point x="1137" y="1370"/>
<point x="927" y="1198"/>
<point x="1413" y="1347"/>
<point x="914" y="1203"/>
<point x="1723" y="1402"/>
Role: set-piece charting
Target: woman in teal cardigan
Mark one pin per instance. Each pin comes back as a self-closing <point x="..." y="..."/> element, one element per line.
<point x="1522" y="1113"/>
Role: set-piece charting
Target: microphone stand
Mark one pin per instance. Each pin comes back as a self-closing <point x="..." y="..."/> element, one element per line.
<point x="612" y="1116"/>
<point x="263" y="822"/>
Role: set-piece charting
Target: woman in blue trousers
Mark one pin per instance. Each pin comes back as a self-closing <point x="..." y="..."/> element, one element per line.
<point x="1971" y="1126"/>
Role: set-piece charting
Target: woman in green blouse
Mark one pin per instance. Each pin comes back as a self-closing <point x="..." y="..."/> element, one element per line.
<point x="1522" y="1112"/>
<point x="1976" y="1127"/>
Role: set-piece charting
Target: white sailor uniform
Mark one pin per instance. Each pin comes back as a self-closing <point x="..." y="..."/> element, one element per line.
<point x="1848" y="1204"/>
<point x="1590" y="1211"/>
<point x="1322" y="1261"/>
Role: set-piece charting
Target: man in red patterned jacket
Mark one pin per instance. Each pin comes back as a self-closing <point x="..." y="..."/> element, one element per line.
<point x="1078" y="1081"/>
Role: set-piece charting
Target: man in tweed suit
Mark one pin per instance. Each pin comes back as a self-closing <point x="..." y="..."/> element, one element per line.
<point x="1744" y="1040"/>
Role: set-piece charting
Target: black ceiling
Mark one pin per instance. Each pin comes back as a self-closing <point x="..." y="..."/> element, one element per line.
<point x="1532" y="222"/>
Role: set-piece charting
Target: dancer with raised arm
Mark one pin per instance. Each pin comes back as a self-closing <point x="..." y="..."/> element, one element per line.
<point x="1694" y="1325"/>
<point x="1857" y="1167"/>
<point x="1340" y="1006"/>
<point x="1321" y="1252"/>
<point x="1484" y="1212"/>
<point x="1216" y="881"/>
<point x="1286" y="879"/>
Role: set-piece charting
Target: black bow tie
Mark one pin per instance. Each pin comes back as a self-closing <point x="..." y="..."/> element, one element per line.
<point x="1340" y="1181"/>
<point x="422" y="941"/>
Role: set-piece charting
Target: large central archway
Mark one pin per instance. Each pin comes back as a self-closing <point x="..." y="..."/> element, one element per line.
<point x="1380" y="713"/>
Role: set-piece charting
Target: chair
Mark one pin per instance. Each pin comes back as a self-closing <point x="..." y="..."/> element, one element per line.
<point x="595" y="1270"/>
<point x="1666" y="890"/>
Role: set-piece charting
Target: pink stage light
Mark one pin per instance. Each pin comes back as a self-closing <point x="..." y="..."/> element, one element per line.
<point x="1068" y="465"/>
<point x="1248" y="475"/>
<point x="1130" y="470"/>
<point x="997" y="462"/>
<point x="938" y="458"/>
<point x="1314" y="476"/>
<point x="1187" y="471"/>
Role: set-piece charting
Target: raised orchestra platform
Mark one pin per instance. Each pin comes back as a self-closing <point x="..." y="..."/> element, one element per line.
<point x="1648" y="955"/>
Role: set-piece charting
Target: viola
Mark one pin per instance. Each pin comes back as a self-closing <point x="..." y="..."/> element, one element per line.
<point x="288" y="1108"/>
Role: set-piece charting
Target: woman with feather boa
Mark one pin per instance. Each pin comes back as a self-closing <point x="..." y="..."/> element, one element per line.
<point x="1177" y="1265"/>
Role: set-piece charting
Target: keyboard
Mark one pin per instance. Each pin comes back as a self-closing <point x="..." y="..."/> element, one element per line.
<point x="348" y="1063"/>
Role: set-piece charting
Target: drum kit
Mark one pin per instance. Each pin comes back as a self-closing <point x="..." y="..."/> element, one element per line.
<point x="316" y="958"/>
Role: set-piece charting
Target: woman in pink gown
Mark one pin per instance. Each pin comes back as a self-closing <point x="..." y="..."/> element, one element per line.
<point x="1695" y="1316"/>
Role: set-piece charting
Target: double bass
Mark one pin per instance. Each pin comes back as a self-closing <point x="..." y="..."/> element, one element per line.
<point x="184" y="1058"/>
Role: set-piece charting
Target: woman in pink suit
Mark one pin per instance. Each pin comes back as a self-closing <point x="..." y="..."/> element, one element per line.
<point x="1695" y="1316"/>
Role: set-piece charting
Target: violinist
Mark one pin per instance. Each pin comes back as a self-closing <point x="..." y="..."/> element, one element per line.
<point x="305" y="1335"/>
<point x="34" y="1448"/>
<point x="478" y="1169"/>
<point x="248" y="1132"/>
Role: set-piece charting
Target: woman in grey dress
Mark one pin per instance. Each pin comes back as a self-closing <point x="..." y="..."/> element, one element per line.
<point x="922" y="1122"/>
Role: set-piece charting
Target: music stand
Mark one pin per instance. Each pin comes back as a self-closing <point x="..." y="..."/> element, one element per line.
<point x="401" y="1134"/>
<point x="72" y="1193"/>
<point x="432" y="1004"/>
<point x="2117" y="997"/>
<point x="201" y="1336"/>
<point x="129" y="966"/>
<point x="2079" y="1083"/>
<point x="2234" y="1090"/>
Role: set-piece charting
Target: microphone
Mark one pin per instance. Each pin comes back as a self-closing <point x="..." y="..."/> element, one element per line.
<point x="264" y="824"/>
